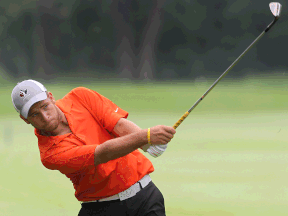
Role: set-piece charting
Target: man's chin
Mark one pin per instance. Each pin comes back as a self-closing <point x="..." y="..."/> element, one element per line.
<point x="51" y="127"/>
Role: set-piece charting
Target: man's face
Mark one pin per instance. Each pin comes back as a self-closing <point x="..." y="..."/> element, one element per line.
<point x="44" y="115"/>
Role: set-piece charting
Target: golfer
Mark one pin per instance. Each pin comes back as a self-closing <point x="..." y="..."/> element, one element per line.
<point x="88" y="138"/>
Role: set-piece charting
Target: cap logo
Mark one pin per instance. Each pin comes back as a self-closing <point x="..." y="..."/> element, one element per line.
<point x="23" y="93"/>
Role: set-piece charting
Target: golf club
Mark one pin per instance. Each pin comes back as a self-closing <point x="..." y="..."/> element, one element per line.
<point x="275" y="8"/>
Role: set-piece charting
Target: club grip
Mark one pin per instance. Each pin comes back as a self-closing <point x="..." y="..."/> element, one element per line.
<point x="180" y="120"/>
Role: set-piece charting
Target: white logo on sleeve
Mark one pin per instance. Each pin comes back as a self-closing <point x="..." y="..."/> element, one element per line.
<point x="116" y="110"/>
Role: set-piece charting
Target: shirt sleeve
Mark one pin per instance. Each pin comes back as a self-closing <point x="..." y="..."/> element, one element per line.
<point x="107" y="112"/>
<point x="68" y="157"/>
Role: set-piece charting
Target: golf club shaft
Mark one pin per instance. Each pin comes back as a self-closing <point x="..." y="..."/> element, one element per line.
<point x="225" y="72"/>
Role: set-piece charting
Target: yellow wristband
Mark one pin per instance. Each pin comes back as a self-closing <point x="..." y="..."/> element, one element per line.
<point x="148" y="136"/>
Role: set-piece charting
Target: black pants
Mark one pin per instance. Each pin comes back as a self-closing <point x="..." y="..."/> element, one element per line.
<point x="147" y="202"/>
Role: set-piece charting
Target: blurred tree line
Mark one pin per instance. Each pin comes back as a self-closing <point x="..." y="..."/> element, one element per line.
<point x="134" y="39"/>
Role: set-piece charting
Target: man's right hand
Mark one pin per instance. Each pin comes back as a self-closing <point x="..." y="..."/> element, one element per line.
<point x="161" y="134"/>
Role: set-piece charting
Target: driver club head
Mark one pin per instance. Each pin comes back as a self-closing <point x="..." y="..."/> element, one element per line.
<point x="275" y="8"/>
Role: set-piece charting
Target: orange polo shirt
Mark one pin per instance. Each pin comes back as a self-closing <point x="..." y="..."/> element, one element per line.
<point x="91" y="118"/>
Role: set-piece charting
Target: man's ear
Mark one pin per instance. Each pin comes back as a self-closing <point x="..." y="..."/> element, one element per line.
<point x="22" y="117"/>
<point x="50" y="95"/>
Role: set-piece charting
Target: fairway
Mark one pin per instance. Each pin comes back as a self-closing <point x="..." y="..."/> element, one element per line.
<point x="228" y="158"/>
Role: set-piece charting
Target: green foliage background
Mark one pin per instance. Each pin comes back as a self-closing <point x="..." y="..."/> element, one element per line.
<point x="40" y="38"/>
<point x="229" y="157"/>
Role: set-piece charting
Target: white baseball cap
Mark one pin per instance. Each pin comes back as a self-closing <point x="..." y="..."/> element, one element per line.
<point x="27" y="93"/>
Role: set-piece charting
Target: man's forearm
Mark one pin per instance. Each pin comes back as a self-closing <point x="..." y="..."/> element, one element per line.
<point x="125" y="127"/>
<point x="119" y="147"/>
<point x="131" y="138"/>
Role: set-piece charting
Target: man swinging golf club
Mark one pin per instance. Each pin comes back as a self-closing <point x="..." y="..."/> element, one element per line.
<point x="88" y="138"/>
<point x="76" y="135"/>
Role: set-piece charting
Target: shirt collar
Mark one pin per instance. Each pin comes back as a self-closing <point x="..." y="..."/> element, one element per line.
<point x="45" y="142"/>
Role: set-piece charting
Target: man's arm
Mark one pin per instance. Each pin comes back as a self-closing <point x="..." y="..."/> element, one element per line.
<point x="126" y="144"/>
<point x="125" y="127"/>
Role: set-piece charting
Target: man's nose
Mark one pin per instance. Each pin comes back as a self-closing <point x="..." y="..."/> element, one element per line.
<point x="45" y="116"/>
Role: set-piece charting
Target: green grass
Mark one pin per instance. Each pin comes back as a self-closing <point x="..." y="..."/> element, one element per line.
<point x="229" y="157"/>
<point x="241" y="96"/>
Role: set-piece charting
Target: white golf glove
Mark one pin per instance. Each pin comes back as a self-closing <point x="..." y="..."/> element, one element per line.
<point x="156" y="150"/>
